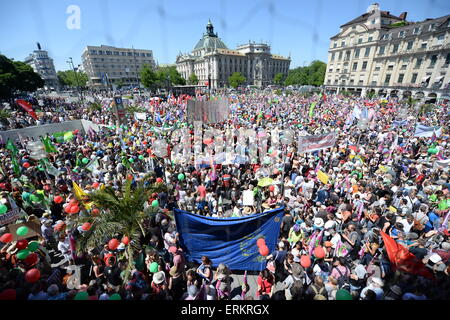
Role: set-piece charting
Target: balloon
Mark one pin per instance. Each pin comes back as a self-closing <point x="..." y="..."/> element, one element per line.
<point x="153" y="267"/>
<point x="74" y="209"/>
<point x="264" y="250"/>
<point x="22" y="244"/>
<point x="260" y="242"/>
<point x="3" y="209"/>
<point x="95" y="212"/>
<point x="32" y="275"/>
<point x="155" y="203"/>
<point x="75" y="131"/>
<point x="33" y="246"/>
<point x="58" y="199"/>
<point x="113" y="244"/>
<point x="22" y="231"/>
<point x="125" y="240"/>
<point x="159" y="180"/>
<point x="271" y="188"/>
<point x="115" y="296"/>
<point x="141" y="157"/>
<point x="305" y="261"/>
<point x="82" y="295"/>
<point x="131" y="160"/>
<point x="32" y="259"/>
<point x="86" y="226"/>
<point x="23" y="254"/>
<point x="6" y="238"/>
<point x="181" y="177"/>
<point x="319" y="253"/>
<point x="67" y="208"/>
<point x="73" y="202"/>
<point x="433" y="150"/>
<point x="26" y="165"/>
<point x="95" y="185"/>
<point x="276" y="171"/>
<point x="85" y="160"/>
<point x="208" y="141"/>
<point x="343" y="294"/>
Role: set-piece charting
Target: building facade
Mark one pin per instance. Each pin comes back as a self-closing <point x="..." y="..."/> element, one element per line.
<point x="212" y="61"/>
<point x="385" y="54"/>
<point x="107" y="66"/>
<point x="43" y="65"/>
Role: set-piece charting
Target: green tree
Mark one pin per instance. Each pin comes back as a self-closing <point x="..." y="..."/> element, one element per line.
<point x="314" y="74"/>
<point x="122" y="214"/>
<point x="236" y="79"/>
<point x="120" y="83"/>
<point x="71" y="79"/>
<point x="193" y="79"/>
<point x="148" y="77"/>
<point x="17" y="76"/>
<point x="278" y="79"/>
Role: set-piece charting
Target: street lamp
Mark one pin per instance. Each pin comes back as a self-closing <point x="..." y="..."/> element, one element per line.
<point x="70" y="62"/>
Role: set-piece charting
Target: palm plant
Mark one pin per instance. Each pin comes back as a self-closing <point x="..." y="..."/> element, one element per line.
<point x="122" y="214"/>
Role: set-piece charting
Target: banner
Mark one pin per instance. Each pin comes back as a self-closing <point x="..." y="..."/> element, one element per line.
<point x="207" y="111"/>
<point x="317" y="142"/>
<point x="428" y="132"/>
<point x="228" y="240"/>
<point x="140" y="116"/>
<point x="10" y="216"/>
<point x="399" y="123"/>
<point x="27" y="107"/>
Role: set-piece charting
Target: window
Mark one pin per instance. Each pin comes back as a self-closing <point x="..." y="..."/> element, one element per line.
<point x="447" y="59"/>
<point x="93" y="51"/>
<point x="373" y="21"/>
<point x="401" y="33"/>
<point x="395" y="48"/>
<point x="364" y="65"/>
<point x="381" y="50"/>
<point x="431" y="27"/>
<point x="385" y="37"/>
<point x="355" y="66"/>
<point x="418" y="63"/>
<point x="410" y="45"/>
<point x="433" y="61"/>
<point x="347" y="55"/>
<point x="100" y="52"/>
<point x="424" y="45"/>
<point x="332" y="56"/>
<point x="414" y="78"/>
<point x="440" y="39"/>
<point x="116" y="53"/>
<point x="129" y="54"/>
<point x="340" y="55"/>
<point x="387" y="79"/>
<point x="330" y="70"/>
<point x="366" y="54"/>
<point x="337" y="70"/>
<point x="148" y="54"/>
<point x="416" y="30"/>
<point x="343" y="44"/>
<point x="108" y="53"/>
<point x="391" y="67"/>
<point x="370" y="39"/>
<point x="400" y="77"/>
<point x="353" y="27"/>
<point x="142" y="54"/>
<point x="357" y="53"/>
<point x="403" y="67"/>
<point x="335" y="45"/>
<point x="360" y="40"/>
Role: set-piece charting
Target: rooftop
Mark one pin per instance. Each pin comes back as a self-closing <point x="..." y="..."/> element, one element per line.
<point x="210" y="40"/>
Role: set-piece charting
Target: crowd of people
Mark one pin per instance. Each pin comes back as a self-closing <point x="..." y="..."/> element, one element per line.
<point x="381" y="180"/>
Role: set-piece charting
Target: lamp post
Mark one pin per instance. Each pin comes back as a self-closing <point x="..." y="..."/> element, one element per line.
<point x="70" y="62"/>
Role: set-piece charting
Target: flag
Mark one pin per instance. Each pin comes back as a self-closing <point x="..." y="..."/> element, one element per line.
<point x="401" y="258"/>
<point x="59" y="136"/>
<point x="93" y="164"/>
<point x="311" y="109"/>
<point x="27" y="107"/>
<point x="80" y="194"/>
<point x="365" y="113"/>
<point x="323" y="177"/>
<point x="68" y="136"/>
<point x="50" y="168"/>
<point x="49" y="147"/>
<point x="424" y="131"/>
<point x="228" y="240"/>
<point x="11" y="146"/>
<point x="399" y="123"/>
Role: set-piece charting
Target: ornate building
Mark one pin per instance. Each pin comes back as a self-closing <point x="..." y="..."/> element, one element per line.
<point x="388" y="55"/>
<point x="211" y="60"/>
<point x="43" y="65"/>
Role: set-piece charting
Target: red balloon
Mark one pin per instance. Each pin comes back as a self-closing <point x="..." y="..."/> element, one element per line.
<point x="113" y="244"/>
<point x="144" y="143"/>
<point x="271" y="188"/>
<point x="58" y="199"/>
<point x="264" y="250"/>
<point x="73" y="202"/>
<point x="260" y="242"/>
<point x="68" y="208"/>
<point x="305" y="261"/>
<point x="319" y="253"/>
<point x="74" y="209"/>
<point x="6" y="238"/>
<point x="32" y="275"/>
<point x="32" y="259"/>
<point x="125" y="240"/>
<point x="95" y="212"/>
<point x="22" y="244"/>
<point x="159" y="180"/>
<point x="26" y="165"/>
<point x="95" y="185"/>
<point x="86" y="226"/>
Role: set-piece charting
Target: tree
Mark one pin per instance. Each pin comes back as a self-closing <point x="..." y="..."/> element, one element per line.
<point x="314" y="74"/>
<point x="71" y="79"/>
<point x="148" y="77"/>
<point x="17" y="76"/>
<point x="193" y="79"/>
<point x="236" y="79"/>
<point x="120" y="83"/>
<point x="278" y="79"/>
<point x="122" y="215"/>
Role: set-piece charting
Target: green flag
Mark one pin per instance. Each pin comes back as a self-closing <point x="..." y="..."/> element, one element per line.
<point x="50" y="168"/>
<point x="78" y="162"/>
<point x="49" y="147"/>
<point x="11" y="146"/>
<point x="311" y="109"/>
<point x="16" y="167"/>
<point x="59" y="136"/>
<point x="68" y="136"/>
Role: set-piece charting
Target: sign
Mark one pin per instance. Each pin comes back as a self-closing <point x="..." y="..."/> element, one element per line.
<point x="10" y="216"/>
<point x="323" y="177"/>
<point x="207" y="111"/>
<point x="316" y="142"/>
<point x="248" y="198"/>
<point x="119" y="108"/>
<point x="34" y="229"/>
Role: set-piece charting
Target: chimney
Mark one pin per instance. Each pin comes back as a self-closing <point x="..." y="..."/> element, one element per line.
<point x="403" y="16"/>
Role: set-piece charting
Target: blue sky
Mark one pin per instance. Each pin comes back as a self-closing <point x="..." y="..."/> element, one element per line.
<point x="297" y="27"/>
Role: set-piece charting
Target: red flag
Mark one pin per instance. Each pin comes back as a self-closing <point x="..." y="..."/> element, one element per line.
<point x="28" y="108"/>
<point x="402" y="259"/>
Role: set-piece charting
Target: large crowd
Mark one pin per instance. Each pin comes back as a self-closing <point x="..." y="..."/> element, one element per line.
<point x="381" y="180"/>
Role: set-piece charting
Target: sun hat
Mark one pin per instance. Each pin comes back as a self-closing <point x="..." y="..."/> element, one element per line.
<point x="318" y="222"/>
<point x="360" y="271"/>
<point x="378" y="281"/>
<point x="159" y="277"/>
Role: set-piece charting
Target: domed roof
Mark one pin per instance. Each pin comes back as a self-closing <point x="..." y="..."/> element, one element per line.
<point x="210" y="40"/>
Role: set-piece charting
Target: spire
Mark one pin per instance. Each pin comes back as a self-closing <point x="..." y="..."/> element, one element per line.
<point x="210" y="29"/>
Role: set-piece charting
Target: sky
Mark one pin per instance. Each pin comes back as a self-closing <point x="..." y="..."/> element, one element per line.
<point x="299" y="28"/>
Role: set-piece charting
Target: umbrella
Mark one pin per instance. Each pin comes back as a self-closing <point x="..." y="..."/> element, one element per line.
<point x="264" y="182"/>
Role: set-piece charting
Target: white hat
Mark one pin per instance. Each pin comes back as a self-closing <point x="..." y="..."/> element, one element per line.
<point x="360" y="271"/>
<point x="330" y="224"/>
<point x="281" y="244"/>
<point x="159" y="277"/>
<point x="378" y="281"/>
<point x="318" y="222"/>
<point x="435" y="258"/>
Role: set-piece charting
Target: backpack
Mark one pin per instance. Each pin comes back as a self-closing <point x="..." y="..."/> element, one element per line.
<point x="318" y="294"/>
<point x="344" y="279"/>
